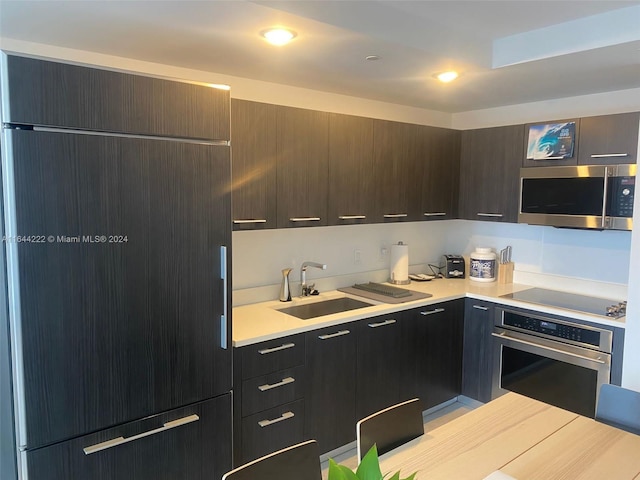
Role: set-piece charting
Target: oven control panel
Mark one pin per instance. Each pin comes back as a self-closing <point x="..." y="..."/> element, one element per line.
<point x="573" y="333"/>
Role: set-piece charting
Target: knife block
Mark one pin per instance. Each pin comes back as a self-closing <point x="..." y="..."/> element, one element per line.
<point x="505" y="272"/>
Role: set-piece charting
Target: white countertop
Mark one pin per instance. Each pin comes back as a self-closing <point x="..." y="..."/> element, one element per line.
<point x="262" y="321"/>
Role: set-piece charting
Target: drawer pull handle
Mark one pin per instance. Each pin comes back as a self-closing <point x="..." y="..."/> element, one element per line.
<point x="284" y="381"/>
<point x="256" y="220"/>
<point x="333" y="335"/>
<point x="304" y="219"/>
<point x="431" y="312"/>
<point x="608" y="155"/>
<point x="264" y="351"/>
<point x="498" y="215"/>
<point x="382" y="324"/>
<point x="352" y="217"/>
<point x="284" y="416"/>
<point x="435" y="214"/>
<point x="120" y="440"/>
<point x="480" y="307"/>
<point x="394" y="215"/>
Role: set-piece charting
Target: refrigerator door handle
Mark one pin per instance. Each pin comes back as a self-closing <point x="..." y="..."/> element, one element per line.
<point x="223" y="276"/>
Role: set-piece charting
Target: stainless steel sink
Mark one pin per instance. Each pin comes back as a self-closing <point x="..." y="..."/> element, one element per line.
<point x="324" y="307"/>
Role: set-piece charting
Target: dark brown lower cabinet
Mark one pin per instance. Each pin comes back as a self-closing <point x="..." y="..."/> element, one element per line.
<point x="432" y="350"/>
<point x="272" y="430"/>
<point x="330" y="416"/>
<point x="477" y="363"/>
<point x="190" y="443"/>
<point x="379" y="355"/>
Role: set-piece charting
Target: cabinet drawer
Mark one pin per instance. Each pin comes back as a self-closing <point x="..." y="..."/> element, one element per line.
<point x="267" y="391"/>
<point x="272" y="356"/>
<point x="190" y="443"/>
<point x="272" y="430"/>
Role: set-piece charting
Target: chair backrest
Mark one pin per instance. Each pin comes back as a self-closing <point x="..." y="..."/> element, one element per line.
<point x="298" y="462"/>
<point x="619" y="407"/>
<point x="390" y="428"/>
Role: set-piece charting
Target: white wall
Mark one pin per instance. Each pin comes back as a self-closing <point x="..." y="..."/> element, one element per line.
<point x="557" y="255"/>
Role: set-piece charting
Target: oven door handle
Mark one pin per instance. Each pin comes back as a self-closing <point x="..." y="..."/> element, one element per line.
<point x="544" y="347"/>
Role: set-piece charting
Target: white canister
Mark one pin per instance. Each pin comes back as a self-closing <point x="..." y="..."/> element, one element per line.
<point x="482" y="265"/>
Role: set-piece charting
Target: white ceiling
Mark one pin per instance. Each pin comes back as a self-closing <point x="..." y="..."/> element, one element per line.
<point x="552" y="49"/>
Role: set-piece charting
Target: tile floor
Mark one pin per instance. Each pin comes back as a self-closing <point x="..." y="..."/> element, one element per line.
<point x="431" y="421"/>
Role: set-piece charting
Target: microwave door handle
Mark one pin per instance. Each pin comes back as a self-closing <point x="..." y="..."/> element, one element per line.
<point x="605" y="195"/>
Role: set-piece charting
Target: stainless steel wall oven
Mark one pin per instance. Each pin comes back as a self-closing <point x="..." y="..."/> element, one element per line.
<point x="554" y="361"/>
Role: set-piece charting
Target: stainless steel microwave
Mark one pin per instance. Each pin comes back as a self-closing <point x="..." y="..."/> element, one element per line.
<point x="583" y="196"/>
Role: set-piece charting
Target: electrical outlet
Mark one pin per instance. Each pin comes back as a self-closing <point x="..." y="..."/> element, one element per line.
<point x="384" y="251"/>
<point x="357" y="257"/>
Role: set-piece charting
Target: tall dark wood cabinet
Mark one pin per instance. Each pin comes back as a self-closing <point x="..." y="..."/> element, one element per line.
<point x="395" y="167"/>
<point x="477" y="365"/>
<point x="432" y="348"/>
<point x="330" y="415"/>
<point x="118" y="269"/>
<point x="351" y="193"/>
<point x="253" y="160"/>
<point x="302" y="167"/>
<point x="490" y="160"/>
<point x="438" y="187"/>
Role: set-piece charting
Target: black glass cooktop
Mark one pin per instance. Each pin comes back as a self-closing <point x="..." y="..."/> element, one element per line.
<point x="570" y="301"/>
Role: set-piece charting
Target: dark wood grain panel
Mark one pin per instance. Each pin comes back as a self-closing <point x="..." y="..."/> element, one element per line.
<point x="272" y="355"/>
<point x="490" y="173"/>
<point x="477" y="350"/>
<point x="330" y="415"/>
<point x="253" y="150"/>
<point x="117" y="331"/>
<point x="302" y="166"/>
<point x="395" y="166"/>
<point x="200" y="450"/>
<point x="255" y="399"/>
<point x="609" y="134"/>
<point x="439" y="151"/>
<point x="379" y="363"/>
<point x="444" y="357"/>
<point x="432" y="348"/>
<point x="71" y="96"/>
<point x="351" y="177"/>
<point x="260" y="440"/>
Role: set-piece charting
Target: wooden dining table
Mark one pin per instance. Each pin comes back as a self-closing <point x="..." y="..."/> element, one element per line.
<point x="522" y="438"/>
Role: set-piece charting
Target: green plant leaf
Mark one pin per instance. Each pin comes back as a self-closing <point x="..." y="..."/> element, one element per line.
<point x="369" y="468"/>
<point x="340" y="472"/>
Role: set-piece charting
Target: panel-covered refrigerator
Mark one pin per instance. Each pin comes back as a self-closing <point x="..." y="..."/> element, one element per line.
<point x="117" y="247"/>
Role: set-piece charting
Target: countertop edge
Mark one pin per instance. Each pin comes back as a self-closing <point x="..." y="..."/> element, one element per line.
<point x="259" y="322"/>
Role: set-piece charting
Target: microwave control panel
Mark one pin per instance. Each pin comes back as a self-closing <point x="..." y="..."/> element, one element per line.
<point x="621" y="199"/>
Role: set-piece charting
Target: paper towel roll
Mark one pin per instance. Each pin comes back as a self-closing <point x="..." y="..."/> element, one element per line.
<point x="399" y="266"/>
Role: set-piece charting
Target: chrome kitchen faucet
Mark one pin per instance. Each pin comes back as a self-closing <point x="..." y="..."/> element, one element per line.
<point x="306" y="290"/>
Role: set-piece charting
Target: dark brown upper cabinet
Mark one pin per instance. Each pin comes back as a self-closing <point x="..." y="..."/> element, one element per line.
<point x="351" y="175"/>
<point x="609" y="139"/>
<point x="253" y="150"/>
<point x="490" y="160"/>
<point x="396" y="167"/>
<point x="302" y="167"/>
<point x="551" y="142"/>
<point x="101" y="100"/>
<point x="439" y="153"/>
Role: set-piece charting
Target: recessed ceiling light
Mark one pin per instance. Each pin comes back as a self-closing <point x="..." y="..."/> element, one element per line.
<point x="372" y="57"/>
<point x="278" y="36"/>
<point x="446" y="77"/>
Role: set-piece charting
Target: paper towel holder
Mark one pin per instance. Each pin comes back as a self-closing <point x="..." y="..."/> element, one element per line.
<point x="403" y="281"/>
